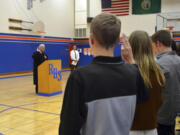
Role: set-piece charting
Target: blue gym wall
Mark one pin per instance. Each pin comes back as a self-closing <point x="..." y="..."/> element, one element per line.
<point x="16" y="54"/>
<point x="85" y="59"/>
<point x="117" y="50"/>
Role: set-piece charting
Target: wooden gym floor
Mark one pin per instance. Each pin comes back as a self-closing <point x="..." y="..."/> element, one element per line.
<point x="24" y="113"/>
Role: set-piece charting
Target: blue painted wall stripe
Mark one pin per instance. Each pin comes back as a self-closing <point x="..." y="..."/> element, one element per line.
<point x="16" y="54"/>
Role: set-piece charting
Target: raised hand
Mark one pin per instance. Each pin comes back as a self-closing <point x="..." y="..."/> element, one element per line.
<point x="126" y="50"/>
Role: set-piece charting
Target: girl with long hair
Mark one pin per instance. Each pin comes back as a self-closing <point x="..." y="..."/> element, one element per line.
<point x="139" y="51"/>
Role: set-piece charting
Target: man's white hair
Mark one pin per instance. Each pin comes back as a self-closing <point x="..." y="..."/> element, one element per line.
<point x="41" y="45"/>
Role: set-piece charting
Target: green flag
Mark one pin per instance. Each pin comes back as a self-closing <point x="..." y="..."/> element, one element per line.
<point x="146" y="6"/>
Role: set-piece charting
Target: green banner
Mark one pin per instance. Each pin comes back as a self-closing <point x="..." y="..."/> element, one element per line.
<point x="146" y="6"/>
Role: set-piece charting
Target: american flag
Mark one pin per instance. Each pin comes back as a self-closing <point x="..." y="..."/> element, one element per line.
<point x="116" y="7"/>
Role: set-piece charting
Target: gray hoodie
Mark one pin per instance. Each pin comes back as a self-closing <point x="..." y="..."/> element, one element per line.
<point x="170" y="64"/>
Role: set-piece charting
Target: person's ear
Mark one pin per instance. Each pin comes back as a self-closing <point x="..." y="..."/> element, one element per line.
<point x="154" y="48"/>
<point x="91" y="39"/>
<point x="157" y="44"/>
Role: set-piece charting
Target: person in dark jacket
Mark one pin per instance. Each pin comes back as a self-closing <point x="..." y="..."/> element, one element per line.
<point x="39" y="56"/>
<point x="100" y="99"/>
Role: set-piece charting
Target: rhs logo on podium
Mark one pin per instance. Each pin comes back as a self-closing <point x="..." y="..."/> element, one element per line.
<point x="55" y="72"/>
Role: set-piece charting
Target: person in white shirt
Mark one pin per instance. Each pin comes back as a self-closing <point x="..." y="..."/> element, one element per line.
<point x="74" y="54"/>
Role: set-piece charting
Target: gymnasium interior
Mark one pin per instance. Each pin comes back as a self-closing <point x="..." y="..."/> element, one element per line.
<point x="59" y="25"/>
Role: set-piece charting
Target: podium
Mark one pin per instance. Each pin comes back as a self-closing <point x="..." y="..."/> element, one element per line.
<point x="50" y="78"/>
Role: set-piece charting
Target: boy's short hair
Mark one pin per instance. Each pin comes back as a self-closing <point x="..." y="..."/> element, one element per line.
<point x="106" y="29"/>
<point x="163" y="36"/>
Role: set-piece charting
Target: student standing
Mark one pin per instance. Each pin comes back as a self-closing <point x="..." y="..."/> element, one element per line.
<point x="100" y="99"/>
<point x="74" y="54"/>
<point x="145" y="120"/>
<point x="170" y="64"/>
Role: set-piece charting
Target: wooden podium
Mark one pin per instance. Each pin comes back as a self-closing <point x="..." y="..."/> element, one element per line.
<point x="50" y="78"/>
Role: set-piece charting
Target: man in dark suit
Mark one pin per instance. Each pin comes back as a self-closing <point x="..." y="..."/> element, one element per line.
<point x="39" y="56"/>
